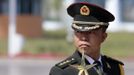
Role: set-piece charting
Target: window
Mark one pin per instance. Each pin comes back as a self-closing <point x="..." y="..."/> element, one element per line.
<point x="4" y="7"/>
<point x="31" y="7"/>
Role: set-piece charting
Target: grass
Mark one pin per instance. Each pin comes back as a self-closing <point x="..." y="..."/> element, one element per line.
<point x="36" y="46"/>
<point x="3" y="47"/>
<point x="52" y="41"/>
<point x="117" y="44"/>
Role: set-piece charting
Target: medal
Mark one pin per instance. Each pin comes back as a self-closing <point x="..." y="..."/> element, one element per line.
<point x="83" y="67"/>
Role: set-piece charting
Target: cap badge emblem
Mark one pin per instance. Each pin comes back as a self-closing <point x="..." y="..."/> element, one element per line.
<point x="84" y="10"/>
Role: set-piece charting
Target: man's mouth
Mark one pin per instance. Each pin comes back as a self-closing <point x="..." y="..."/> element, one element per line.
<point x="84" y="45"/>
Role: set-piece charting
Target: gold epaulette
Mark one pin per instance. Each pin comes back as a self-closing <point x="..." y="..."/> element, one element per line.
<point x="121" y="70"/>
<point x="66" y="63"/>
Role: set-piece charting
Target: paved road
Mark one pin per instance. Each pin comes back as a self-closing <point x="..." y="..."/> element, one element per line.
<point x="129" y="67"/>
<point x="38" y="67"/>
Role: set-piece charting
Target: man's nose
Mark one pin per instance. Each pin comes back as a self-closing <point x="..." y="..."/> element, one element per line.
<point x="84" y="37"/>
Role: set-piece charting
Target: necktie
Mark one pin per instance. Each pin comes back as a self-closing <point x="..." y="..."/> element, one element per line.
<point x="98" y="68"/>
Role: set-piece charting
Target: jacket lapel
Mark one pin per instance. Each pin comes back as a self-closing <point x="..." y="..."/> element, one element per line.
<point x="77" y="55"/>
<point x="106" y="66"/>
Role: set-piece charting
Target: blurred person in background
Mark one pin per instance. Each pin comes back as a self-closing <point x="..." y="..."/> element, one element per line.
<point x="89" y="25"/>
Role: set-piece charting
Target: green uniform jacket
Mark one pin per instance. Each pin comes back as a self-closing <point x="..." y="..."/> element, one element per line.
<point x="110" y="66"/>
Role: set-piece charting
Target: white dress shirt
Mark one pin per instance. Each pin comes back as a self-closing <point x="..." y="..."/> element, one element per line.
<point x="91" y="61"/>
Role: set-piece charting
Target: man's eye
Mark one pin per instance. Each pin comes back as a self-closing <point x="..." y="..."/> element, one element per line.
<point x="77" y="32"/>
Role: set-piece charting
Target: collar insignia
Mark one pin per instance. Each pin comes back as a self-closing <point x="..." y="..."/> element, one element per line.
<point x="108" y="65"/>
<point x="84" y="10"/>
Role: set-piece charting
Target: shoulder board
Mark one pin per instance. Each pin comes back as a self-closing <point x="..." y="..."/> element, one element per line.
<point x="66" y="63"/>
<point x="113" y="60"/>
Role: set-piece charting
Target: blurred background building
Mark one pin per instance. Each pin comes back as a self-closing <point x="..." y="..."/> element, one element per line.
<point x="28" y="19"/>
<point x="31" y="14"/>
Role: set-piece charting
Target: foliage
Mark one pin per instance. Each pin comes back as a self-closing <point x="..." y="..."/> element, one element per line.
<point x="3" y="46"/>
<point x="117" y="44"/>
<point x="52" y="41"/>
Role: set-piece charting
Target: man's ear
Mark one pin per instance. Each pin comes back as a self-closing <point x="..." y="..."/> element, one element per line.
<point x="104" y="37"/>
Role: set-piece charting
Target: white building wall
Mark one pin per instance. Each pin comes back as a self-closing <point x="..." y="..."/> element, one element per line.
<point x="114" y="7"/>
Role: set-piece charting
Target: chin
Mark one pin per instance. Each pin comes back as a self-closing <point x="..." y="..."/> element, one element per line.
<point x="86" y="50"/>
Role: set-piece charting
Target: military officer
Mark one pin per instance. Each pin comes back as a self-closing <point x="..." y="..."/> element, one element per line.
<point x="89" y="24"/>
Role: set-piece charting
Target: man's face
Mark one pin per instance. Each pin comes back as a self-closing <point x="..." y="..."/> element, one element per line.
<point x="89" y="41"/>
